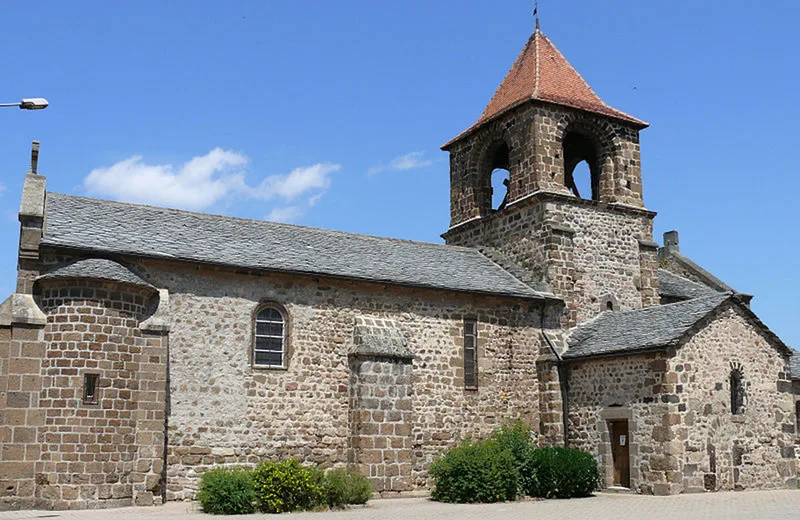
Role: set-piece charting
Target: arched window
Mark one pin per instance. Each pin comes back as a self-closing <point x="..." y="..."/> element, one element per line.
<point x="500" y="182"/>
<point x="496" y="168"/>
<point x="584" y="180"/>
<point x="737" y="390"/>
<point x="269" y="347"/>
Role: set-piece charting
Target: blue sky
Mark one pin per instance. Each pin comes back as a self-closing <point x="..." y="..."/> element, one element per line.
<point x="331" y="114"/>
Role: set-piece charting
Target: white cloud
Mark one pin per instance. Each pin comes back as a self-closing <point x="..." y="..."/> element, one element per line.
<point x="300" y="181"/>
<point x="205" y="180"/>
<point x="409" y="161"/>
<point x="2" y="188"/>
<point x="197" y="184"/>
<point x="286" y="214"/>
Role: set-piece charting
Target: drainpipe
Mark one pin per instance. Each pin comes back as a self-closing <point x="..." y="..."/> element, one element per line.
<point x="563" y="378"/>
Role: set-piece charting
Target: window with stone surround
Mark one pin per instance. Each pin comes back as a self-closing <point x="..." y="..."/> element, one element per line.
<point x="470" y="354"/>
<point x="269" y="341"/>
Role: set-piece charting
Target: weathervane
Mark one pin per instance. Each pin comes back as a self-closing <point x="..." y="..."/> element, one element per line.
<point x="536" y="12"/>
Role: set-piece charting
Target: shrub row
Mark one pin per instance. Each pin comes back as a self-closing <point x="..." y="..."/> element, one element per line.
<point x="508" y="466"/>
<point x="278" y="487"/>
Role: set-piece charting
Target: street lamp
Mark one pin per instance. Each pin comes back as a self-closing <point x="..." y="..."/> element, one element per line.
<point x="28" y="104"/>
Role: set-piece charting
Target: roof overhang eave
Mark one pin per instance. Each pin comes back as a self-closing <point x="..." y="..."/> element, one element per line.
<point x="618" y="353"/>
<point x="629" y="120"/>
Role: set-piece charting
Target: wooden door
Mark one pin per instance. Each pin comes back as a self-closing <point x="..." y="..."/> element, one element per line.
<point x="620" y="450"/>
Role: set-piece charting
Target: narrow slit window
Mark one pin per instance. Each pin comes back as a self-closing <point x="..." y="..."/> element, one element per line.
<point x="268" y="350"/>
<point x="737" y="391"/>
<point x="470" y="354"/>
<point x="90" y="388"/>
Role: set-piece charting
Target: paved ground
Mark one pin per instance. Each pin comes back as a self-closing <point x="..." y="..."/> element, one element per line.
<point x="750" y="505"/>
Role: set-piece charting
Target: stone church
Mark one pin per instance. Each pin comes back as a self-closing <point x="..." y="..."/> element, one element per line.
<point x="144" y="345"/>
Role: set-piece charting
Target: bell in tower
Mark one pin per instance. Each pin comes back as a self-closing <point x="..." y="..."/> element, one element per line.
<point x="589" y="240"/>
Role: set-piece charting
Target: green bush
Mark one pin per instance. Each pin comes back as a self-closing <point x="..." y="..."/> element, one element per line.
<point x="562" y="473"/>
<point x="288" y="486"/>
<point x="516" y="438"/>
<point x="226" y="491"/>
<point x="344" y="487"/>
<point x="475" y="472"/>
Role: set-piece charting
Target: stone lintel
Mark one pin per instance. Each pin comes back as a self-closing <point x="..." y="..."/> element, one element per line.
<point x="160" y="321"/>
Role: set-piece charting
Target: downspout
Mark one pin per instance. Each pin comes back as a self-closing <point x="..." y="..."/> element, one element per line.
<point x="563" y="378"/>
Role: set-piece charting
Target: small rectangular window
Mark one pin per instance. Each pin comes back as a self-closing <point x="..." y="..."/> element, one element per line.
<point x="470" y="354"/>
<point x="90" y="388"/>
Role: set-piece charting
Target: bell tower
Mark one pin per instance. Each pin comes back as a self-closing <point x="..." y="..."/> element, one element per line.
<point x="591" y="246"/>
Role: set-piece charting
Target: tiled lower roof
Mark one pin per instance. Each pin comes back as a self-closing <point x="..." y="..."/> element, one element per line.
<point x="794" y="365"/>
<point x="95" y="269"/>
<point x="639" y="330"/>
<point x="104" y="227"/>
<point x="674" y="286"/>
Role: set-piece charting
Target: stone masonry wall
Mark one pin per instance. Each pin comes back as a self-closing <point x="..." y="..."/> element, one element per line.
<point x="630" y="387"/>
<point x="382" y="420"/>
<point x="107" y="454"/>
<point x="585" y="252"/>
<point x="21" y="354"/>
<point x="224" y="411"/>
<point x="604" y="261"/>
<point x="754" y="450"/>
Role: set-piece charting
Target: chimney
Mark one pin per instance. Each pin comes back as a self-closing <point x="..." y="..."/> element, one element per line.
<point x="31" y="214"/>
<point x="671" y="242"/>
<point x="34" y="157"/>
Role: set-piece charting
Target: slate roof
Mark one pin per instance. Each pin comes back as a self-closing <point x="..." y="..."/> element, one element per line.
<point x="542" y="73"/>
<point x="794" y="365"/>
<point x="639" y="330"/>
<point x="674" y="286"/>
<point x="104" y="227"/>
<point x="95" y="269"/>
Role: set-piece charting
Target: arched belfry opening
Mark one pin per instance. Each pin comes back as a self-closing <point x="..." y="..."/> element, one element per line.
<point x="500" y="177"/>
<point x="581" y="166"/>
<point x="497" y="171"/>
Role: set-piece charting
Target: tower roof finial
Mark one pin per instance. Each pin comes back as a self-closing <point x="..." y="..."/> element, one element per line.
<point x="536" y="13"/>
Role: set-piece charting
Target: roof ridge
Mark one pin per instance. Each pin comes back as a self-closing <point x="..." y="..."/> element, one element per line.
<point x="536" y="76"/>
<point x="580" y="76"/>
<point x="515" y="70"/>
<point x="531" y="78"/>
<point x="586" y="83"/>
<point x="270" y="222"/>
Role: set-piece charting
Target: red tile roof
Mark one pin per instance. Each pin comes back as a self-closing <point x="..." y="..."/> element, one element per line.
<point x="542" y="73"/>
